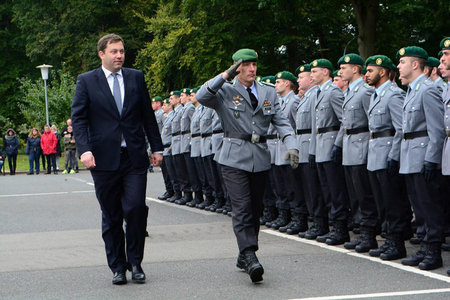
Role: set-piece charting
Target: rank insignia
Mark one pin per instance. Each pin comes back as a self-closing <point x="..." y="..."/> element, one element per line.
<point x="237" y="101"/>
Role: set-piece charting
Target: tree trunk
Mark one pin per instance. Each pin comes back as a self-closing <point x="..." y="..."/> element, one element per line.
<point x="366" y="13"/>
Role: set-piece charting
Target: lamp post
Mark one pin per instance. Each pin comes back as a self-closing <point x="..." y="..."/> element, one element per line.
<point x="44" y="72"/>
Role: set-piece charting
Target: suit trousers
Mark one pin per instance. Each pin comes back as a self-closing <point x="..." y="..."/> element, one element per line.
<point x="182" y="173"/>
<point x="121" y="195"/>
<point x="167" y="182"/>
<point x="357" y="180"/>
<point x="284" y="188"/>
<point x="270" y="196"/>
<point x="192" y="173"/>
<point x="199" y="165"/>
<point x="172" y="173"/>
<point x="332" y="181"/>
<point x="392" y="202"/>
<point x="246" y="197"/>
<point x="425" y="198"/>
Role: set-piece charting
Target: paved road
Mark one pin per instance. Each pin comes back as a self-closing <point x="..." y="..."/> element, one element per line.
<point x="51" y="248"/>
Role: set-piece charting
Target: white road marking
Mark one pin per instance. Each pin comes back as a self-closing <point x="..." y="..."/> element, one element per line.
<point x="80" y="192"/>
<point x="351" y="253"/>
<point x="191" y="209"/>
<point x="35" y="194"/>
<point x="378" y="295"/>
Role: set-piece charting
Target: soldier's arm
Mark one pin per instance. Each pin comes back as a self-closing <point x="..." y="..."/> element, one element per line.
<point x="366" y="100"/>
<point x="434" y="116"/>
<point x="283" y="127"/>
<point x="395" y="106"/>
<point x="312" y="144"/>
<point x="207" y="95"/>
<point x="336" y="100"/>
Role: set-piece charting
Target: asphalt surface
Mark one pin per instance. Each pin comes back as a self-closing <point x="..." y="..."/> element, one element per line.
<point x="51" y="248"/>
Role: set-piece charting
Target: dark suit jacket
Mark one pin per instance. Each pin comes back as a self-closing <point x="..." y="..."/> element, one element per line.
<point x="98" y="127"/>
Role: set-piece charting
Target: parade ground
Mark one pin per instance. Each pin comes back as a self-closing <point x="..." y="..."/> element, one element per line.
<point x="51" y="248"/>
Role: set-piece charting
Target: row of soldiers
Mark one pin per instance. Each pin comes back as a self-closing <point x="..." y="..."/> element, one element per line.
<point x="370" y="155"/>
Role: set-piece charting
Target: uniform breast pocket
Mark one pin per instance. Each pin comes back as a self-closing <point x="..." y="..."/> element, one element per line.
<point x="352" y="111"/>
<point x="379" y="116"/>
<point x="415" y="113"/>
<point x="237" y="110"/>
<point x="305" y="119"/>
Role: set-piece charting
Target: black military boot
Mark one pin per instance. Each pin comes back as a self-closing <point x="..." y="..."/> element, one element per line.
<point x="381" y="249"/>
<point x="218" y="203"/>
<point x="300" y="226"/>
<point x="416" y="240"/>
<point x="198" y="198"/>
<point x="352" y="244"/>
<point x="208" y="201"/>
<point x="445" y="247"/>
<point x="226" y="208"/>
<point x="303" y="234"/>
<point x="283" y="219"/>
<point x="368" y="240"/>
<point x="248" y="262"/>
<point x="416" y="258"/>
<point x="176" y="196"/>
<point x="340" y="234"/>
<point x="166" y="195"/>
<point x="395" y="251"/>
<point x="433" y="257"/>
<point x="187" y="197"/>
<point x="319" y="228"/>
<point x="323" y="238"/>
<point x="270" y="215"/>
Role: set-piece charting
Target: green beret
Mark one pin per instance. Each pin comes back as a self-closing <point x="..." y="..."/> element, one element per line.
<point x="351" y="58"/>
<point x="178" y="93"/>
<point x="287" y="76"/>
<point x="166" y="101"/>
<point x="245" y="55"/>
<point x="157" y="99"/>
<point x="440" y="54"/>
<point x="258" y="78"/>
<point x="268" y="79"/>
<point x="336" y="73"/>
<point x="412" y="51"/>
<point x="379" y="61"/>
<point x="194" y="90"/>
<point x="445" y="43"/>
<point x="199" y="87"/>
<point x="186" y="91"/>
<point x="322" y="63"/>
<point x="432" y="62"/>
<point x="303" y="68"/>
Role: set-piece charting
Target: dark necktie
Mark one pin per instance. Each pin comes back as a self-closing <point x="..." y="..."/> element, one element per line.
<point x="318" y="93"/>
<point x="252" y="98"/>
<point x="116" y="93"/>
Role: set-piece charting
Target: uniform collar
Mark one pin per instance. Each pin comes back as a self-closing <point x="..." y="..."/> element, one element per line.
<point x="328" y="82"/>
<point x="382" y="87"/>
<point x="352" y="85"/>
<point x="416" y="81"/>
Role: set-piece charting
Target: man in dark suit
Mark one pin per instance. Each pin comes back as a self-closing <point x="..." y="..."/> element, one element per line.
<point x="111" y="114"/>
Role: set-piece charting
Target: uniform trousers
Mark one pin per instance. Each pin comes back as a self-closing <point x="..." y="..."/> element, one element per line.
<point x="167" y="182"/>
<point x="121" y="195"/>
<point x="207" y="168"/>
<point x="216" y="181"/>
<point x="199" y="165"/>
<point x="353" y="198"/>
<point x="192" y="173"/>
<point x="332" y="180"/>
<point x="425" y="198"/>
<point x="246" y="197"/>
<point x="392" y="202"/>
<point x="357" y="180"/>
<point x="284" y="178"/>
<point x="298" y="183"/>
<point x="172" y="173"/>
<point x="270" y="196"/>
<point x="314" y="199"/>
<point x="182" y="173"/>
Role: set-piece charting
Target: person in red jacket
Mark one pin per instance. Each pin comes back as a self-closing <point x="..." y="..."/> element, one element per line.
<point x="48" y="145"/>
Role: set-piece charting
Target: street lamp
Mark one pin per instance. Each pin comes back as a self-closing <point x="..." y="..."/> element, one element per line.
<point x="44" y="72"/>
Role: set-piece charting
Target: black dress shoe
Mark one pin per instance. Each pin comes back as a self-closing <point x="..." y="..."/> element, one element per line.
<point x="249" y="262"/>
<point x="119" y="278"/>
<point x="137" y="274"/>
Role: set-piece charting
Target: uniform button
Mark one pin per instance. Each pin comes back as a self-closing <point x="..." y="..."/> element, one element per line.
<point x="253" y="131"/>
<point x="253" y="123"/>
<point x="332" y="136"/>
<point x="421" y="144"/>
<point x="317" y="109"/>
<point x="370" y="115"/>
<point x="379" y="110"/>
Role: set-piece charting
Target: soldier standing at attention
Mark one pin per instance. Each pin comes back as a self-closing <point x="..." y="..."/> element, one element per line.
<point x="421" y="153"/>
<point x="246" y="109"/>
<point x="433" y="74"/>
<point x="338" y="81"/>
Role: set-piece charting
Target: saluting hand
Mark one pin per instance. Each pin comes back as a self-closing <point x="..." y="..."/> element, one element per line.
<point x="232" y="71"/>
<point x="88" y="160"/>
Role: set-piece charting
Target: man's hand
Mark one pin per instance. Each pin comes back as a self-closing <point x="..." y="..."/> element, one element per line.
<point x="430" y="170"/>
<point x="231" y="72"/>
<point x="156" y="159"/>
<point x="393" y="166"/>
<point x="88" y="160"/>
<point x="292" y="155"/>
<point x="336" y="154"/>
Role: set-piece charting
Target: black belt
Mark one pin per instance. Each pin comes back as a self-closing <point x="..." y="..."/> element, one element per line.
<point x="195" y="135"/>
<point x="447" y="131"/>
<point x="217" y="131"/>
<point x="415" y="134"/>
<point x="380" y="134"/>
<point x="349" y="131"/>
<point x="176" y="133"/>
<point x="166" y="146"/>
<point x="328" y="129"/>
<point x="272" y="136"/>
<point x="185" y="132"/>
<point x="244" y="136"/>
<point x="206" y="134"/>
<point x="303" y="131"/>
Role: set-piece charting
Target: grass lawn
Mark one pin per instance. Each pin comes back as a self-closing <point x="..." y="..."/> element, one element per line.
<point x="23" y="165"/>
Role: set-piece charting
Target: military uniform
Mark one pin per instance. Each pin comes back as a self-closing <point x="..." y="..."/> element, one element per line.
<point x="166" y="137"/>
<point x="206" y="118"/>
<point x="446" y="151"/>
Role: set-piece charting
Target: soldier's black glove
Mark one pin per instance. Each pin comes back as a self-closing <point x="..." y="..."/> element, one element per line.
<point x="430" y="170"/>
<point x="393" y="166"/>
<point x="292" y="155"/>
<point x="231" y="72"/>
<point x="312" y="161"/>
<point x="336" y="154"/>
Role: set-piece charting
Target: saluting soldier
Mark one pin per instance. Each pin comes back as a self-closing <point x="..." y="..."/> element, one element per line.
<point x="421" y="153"/>
<point x="385" y="124"/>
<point x="325" y="149"/>
<point x="355" y="145"/>
<point x="246" y="108"/>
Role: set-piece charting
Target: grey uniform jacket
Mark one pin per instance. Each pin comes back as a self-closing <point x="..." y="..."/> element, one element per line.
<point x="422" y="110"/>
<point x="217" y="138"/>
<point x="385" y="113"/>
<point x="176" y="128"/>
<point x="159" y="115"/>
<point x="185" y="126"/>
<point x="327" y="112"/>
<point x="303" y="121"/>
<point x="166" y="133"/>
<point x="354" y="115"/>
<point x="233" y="105"/>
<point x="287" y="111"/>
<point x="206" y="117"/>
<point x="196" y="138"/>
<point x="446" y="152"/>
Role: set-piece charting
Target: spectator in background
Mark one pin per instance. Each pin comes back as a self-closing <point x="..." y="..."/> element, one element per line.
<point x="58" y="145"/>
<point x="33" y="150"/>
<point x="1" y="161"/>
<point x="69" y="123"/>
<point x="69" y="147"/>
<point x="10" y="147"/>
<point x="48" y="145"/>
